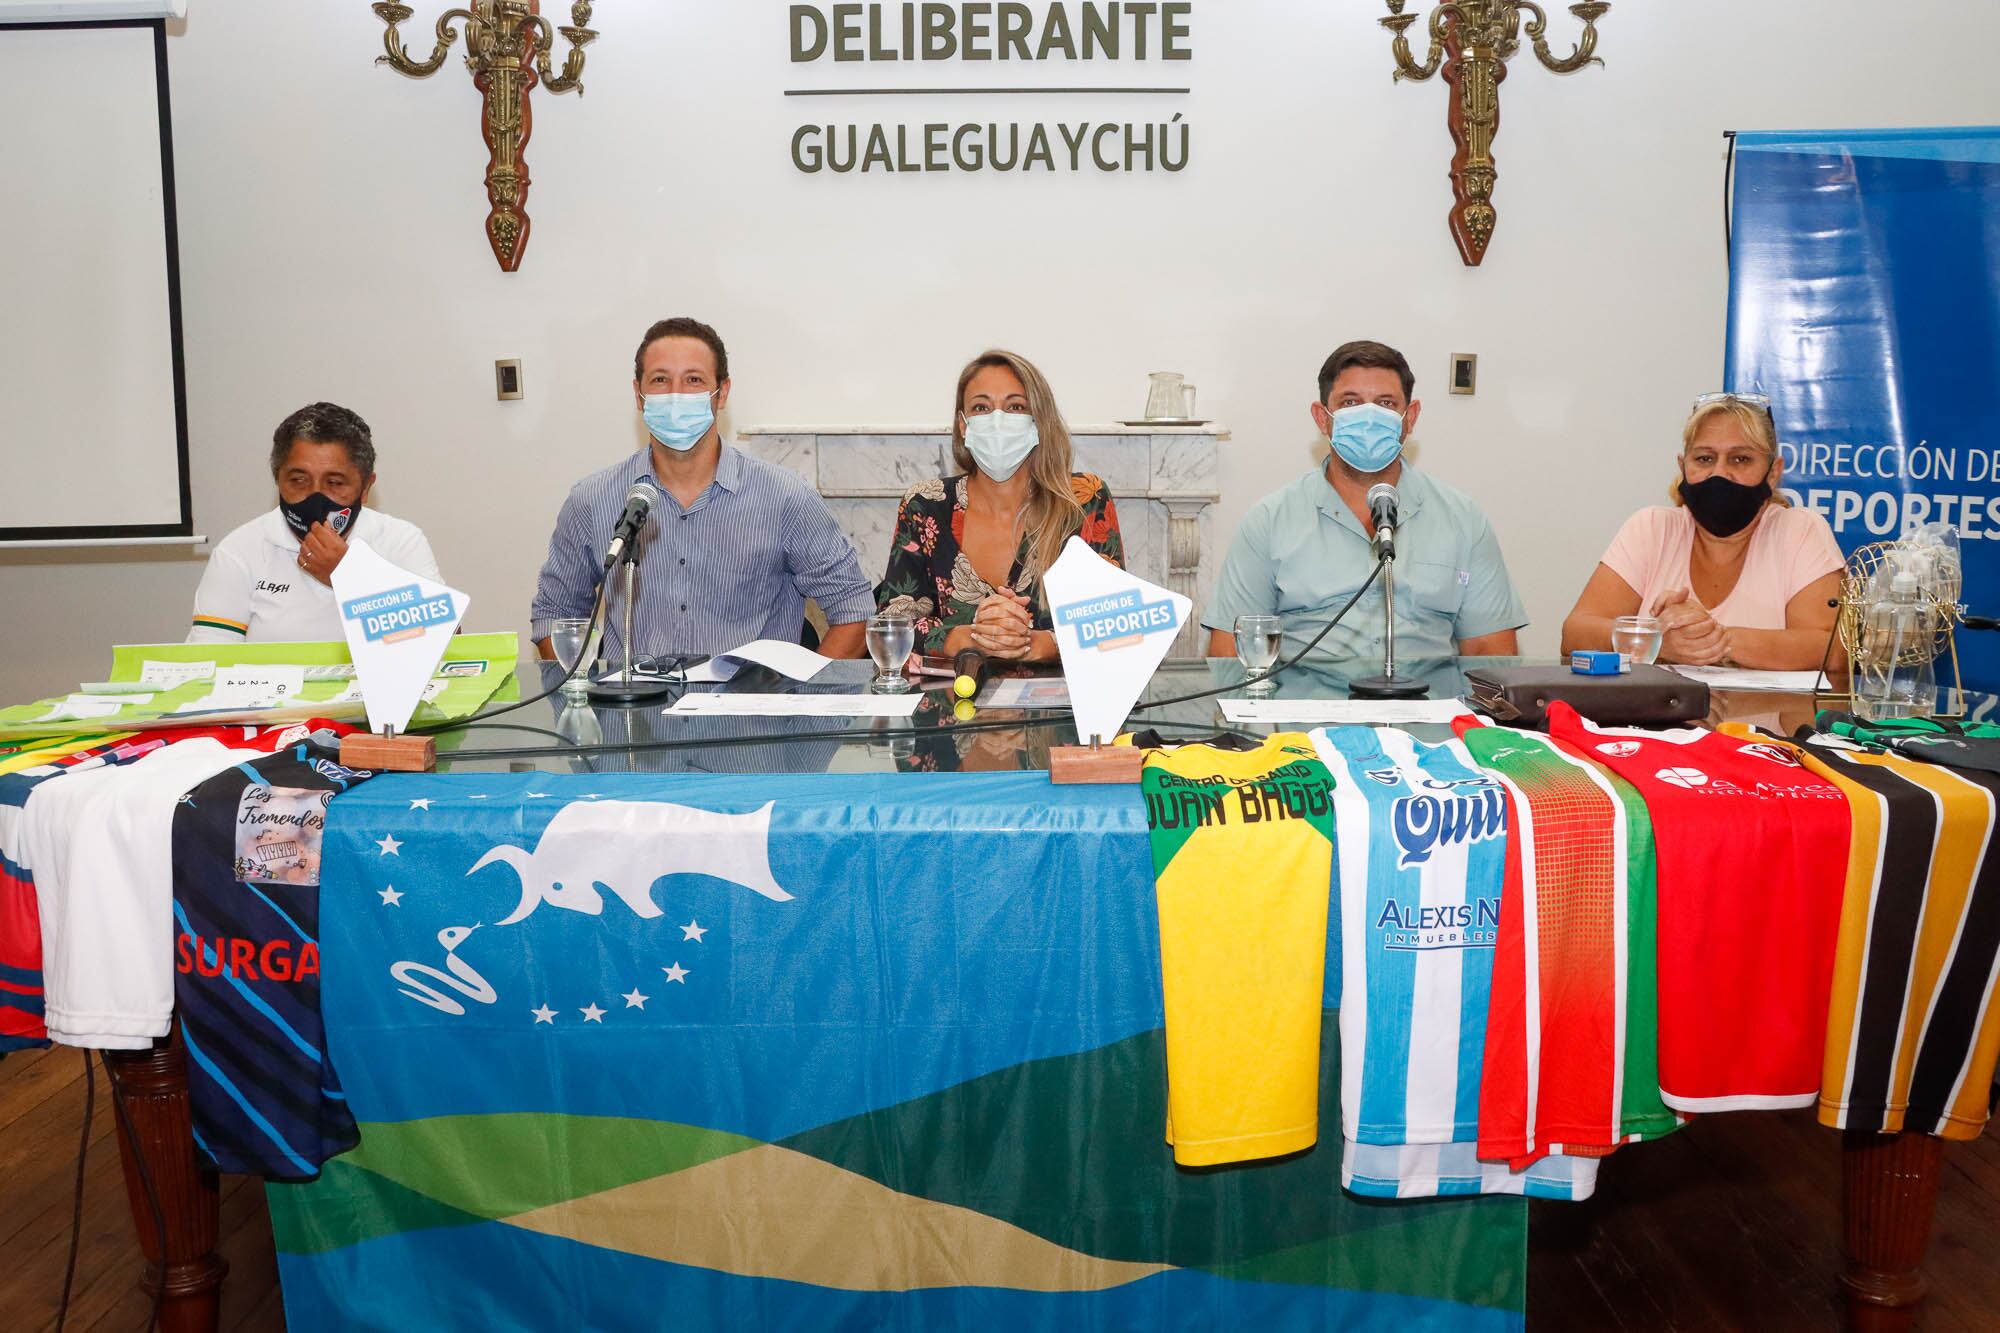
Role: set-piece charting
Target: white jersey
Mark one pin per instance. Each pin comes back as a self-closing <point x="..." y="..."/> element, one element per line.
<point x="99" y="843"/>
<point x="253" y="589"/>
<point x="1421" y="852"/>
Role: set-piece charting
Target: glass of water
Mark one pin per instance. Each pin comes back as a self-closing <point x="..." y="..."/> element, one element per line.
<point x="1258" y="641"/>
<point x="1638" y="638"/>
<point x="891" y="639"/>
<point x="567" y="638"/>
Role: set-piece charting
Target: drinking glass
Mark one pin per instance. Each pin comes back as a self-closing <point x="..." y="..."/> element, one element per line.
<point x="1258" y="641"/>
<point x="891" y="639"/>
<point x="1637" y="637"/>
<point x="566" y="637"/>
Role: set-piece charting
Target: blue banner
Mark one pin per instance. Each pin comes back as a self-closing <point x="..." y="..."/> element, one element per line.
<point x="1865" y="302"/>
<point x="801" y="1052"/>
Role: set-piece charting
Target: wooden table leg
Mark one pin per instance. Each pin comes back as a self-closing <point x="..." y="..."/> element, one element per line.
<point x="153" y="1086"/>
<point x="1889" y="1186"/>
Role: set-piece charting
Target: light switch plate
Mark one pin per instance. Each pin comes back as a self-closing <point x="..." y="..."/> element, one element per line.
<point x="1464" y="376"/>
<point x="507" y="380"/>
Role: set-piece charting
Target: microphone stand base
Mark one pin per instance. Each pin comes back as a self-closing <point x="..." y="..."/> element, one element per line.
<point x="630" y="694"/>
<point x="1387" y="687"/>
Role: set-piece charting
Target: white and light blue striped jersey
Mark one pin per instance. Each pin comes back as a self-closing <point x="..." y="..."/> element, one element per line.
<point x="1421" y="861"/>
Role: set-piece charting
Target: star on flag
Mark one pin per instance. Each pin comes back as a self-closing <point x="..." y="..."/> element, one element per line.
<point x="676" y="973"/>
<point x="634" y="1000"/>
<point x="544" y="1015"/>
<point x="421" y="803"/>
<point x="591" y="1013"/>
<point x="391" y="898"/>
<point x="693" y="930"/>
<point x="389" y="845"/>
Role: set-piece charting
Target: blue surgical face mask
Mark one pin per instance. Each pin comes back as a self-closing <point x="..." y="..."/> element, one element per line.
<point x="1368" y="437"/>
<point x="1001" y="441"/>
<point x="679" y="420"/>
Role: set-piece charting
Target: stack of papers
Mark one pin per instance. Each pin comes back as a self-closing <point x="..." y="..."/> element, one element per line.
<point x="789" y="660"/>
<point x="1736" y="678"/>
<point x="795" y="705"/>
<point x="1341" y="712"/>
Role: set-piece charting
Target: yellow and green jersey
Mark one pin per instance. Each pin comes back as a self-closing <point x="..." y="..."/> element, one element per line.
<point x="1243" y="861"/>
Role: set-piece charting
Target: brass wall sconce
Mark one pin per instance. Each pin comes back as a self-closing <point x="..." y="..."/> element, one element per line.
<point x="1473" y="40"/>
<point x="507" y="50"/>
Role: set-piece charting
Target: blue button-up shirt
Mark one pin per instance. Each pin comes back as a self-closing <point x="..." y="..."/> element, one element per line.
<point x="1300" y="554"/>
<point x="736" y="565"/>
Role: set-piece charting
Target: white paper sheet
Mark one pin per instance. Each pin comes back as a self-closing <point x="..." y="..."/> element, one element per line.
<point x="1340" y="712"/>
<point x="790" y="660"/>
<point x="166" y="675"/>
<point x="1735" y="678"/>
<point x="83" y="707"/>
<point x="1025" y="692"/>
<point x="795" y="705"/>
<point x="244" y="689"/>
<point x="353" y="695"/>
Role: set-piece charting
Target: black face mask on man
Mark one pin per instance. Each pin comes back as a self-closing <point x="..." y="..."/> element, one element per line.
<point x="319" y="508"/>
<point x="1724" y="507"/>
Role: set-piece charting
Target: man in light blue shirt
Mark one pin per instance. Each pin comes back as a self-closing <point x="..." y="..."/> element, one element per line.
<point x="1301" y="553"/>
<point x="732" y="551"/>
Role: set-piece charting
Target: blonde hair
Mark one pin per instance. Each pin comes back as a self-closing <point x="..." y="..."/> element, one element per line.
<point x="1052" y="514"/>
<point x="1759" y="431"/>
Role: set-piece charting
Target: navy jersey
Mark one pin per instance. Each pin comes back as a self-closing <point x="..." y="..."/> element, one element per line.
<point x="265" y="1099"/>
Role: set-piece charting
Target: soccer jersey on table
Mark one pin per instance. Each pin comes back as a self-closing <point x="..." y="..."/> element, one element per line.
<point x="1912" y="1034"/>
<point x="246" y="847"/>
<point x="89" y="842"/>
<point x="1421" y="860"/>
<point x="1933" y="740"/>
<point x="1242" y="858"/>
<point x="21" y="992"/>
<point x="1572" y="1031"/>
<point x="1751" y="850"/>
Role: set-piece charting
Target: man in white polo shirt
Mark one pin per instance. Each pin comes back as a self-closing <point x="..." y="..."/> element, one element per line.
<point x="270" y="580"/>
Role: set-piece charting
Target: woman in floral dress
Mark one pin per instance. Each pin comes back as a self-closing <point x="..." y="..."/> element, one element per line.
<point x="969" y="551"/>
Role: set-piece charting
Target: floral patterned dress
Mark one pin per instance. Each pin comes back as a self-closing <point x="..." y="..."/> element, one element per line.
<point x="929" y="577"/>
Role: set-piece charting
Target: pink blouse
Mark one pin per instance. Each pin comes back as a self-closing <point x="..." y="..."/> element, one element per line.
<point x="1789" y="548"/>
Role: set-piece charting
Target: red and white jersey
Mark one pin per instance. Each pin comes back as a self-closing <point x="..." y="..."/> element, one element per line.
<point x="1752" y="855"/>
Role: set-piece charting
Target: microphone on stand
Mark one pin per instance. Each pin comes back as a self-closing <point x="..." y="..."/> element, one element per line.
<point x="1383" y="507"/>
<point x="639" y="503"/>
<point x="624" y="689"/>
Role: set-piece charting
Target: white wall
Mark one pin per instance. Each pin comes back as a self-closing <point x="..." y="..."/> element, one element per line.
<point x="330" y="229"/>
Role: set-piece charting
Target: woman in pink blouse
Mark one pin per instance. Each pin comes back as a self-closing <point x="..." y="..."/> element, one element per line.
<point x="1735" y="574"/>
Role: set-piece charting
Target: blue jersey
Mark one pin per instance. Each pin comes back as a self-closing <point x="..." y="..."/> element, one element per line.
<point x="1422" y="859"/>
<point x="265" y="1099"/>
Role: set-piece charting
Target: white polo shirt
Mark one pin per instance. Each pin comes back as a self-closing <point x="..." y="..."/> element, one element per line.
<point x="254" y="590"/>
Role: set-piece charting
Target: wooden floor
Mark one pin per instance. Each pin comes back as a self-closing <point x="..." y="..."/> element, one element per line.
<point x="1734" y="1223"/>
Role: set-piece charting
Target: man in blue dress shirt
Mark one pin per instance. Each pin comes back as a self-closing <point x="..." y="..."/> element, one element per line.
<point x="733" y="551"/>
<point x="1301" y="552"/>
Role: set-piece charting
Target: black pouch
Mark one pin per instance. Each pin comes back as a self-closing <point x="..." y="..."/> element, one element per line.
<point x="1646" y="696"/>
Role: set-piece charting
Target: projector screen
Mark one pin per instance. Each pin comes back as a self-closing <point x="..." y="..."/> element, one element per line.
<point x="93" y="418"/>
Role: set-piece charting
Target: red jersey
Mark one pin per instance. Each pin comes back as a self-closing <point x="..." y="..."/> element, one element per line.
<point x="1752" y="854"/>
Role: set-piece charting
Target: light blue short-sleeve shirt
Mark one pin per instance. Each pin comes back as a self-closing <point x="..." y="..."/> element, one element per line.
<point x="1300" y="553"/>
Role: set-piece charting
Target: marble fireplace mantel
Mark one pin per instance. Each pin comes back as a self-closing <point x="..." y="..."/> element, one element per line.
<point x="1164" y="479"/>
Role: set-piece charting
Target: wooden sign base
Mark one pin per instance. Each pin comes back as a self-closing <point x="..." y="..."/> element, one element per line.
<point x="1074" y="765"/>
<point x="389" y="754"/>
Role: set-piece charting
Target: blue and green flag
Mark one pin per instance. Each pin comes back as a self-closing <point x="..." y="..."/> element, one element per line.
<point x="807" y="1052"/>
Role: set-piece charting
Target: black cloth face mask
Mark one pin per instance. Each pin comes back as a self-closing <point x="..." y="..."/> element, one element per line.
<point x="319" y="508"/>
<point x="1724" y="507"/>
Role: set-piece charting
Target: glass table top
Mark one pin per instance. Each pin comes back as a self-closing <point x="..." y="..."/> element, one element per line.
<point x="1180" y="704"/>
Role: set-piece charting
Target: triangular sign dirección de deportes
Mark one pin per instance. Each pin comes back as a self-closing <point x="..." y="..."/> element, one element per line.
<point x="398" y="625"/>
<point x="1114" y="629"/>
